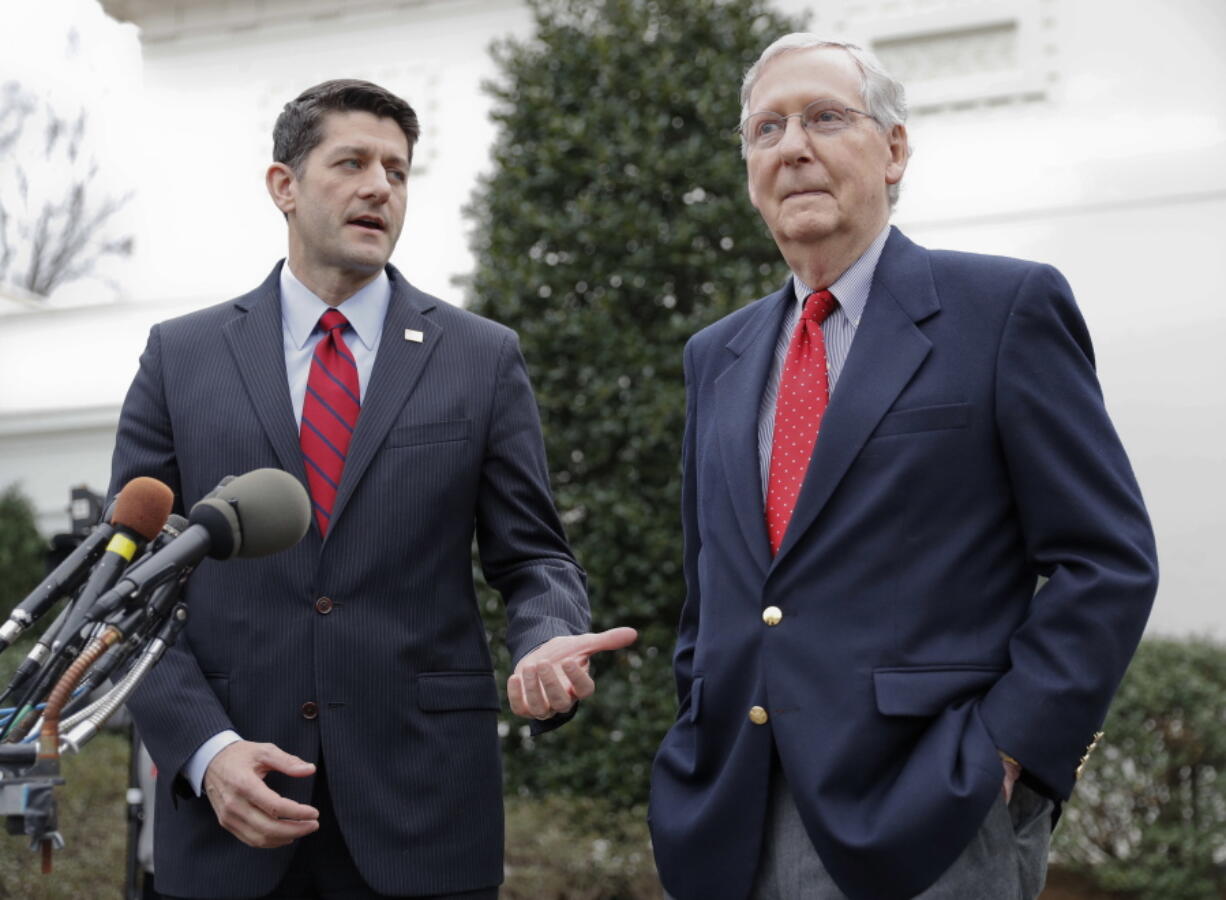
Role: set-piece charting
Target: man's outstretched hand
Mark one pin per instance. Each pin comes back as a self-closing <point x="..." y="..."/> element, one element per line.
<point x="551" y="678"/>
<point x="249" y="809"/>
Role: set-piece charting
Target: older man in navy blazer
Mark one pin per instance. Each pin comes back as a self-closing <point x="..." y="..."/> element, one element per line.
<point x="327" y="724"/>
<point x="917" y="561"/>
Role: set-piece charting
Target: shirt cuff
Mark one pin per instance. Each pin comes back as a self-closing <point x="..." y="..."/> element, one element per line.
<point x="199" y="762"/>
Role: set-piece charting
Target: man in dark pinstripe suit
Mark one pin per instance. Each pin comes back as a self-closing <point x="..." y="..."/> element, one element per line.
<point x="326" y="726"/>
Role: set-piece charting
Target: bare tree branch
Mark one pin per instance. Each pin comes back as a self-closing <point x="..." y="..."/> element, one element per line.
<point x="55" y="220"/>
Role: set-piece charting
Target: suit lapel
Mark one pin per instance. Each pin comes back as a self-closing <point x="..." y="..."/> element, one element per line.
<point x="887" y="350"/>
<point x="256" y="342"/>
<point x="738" y="393"/>
<point x="398" y="365"/>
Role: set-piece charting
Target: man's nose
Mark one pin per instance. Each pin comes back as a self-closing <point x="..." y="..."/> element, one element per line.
<point x="376" y="185"/>
<point x="796" y="145"/>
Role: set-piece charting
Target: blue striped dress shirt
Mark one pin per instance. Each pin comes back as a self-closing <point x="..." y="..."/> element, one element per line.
<point x="300" y="312"/>
<point x="851" y="292"/>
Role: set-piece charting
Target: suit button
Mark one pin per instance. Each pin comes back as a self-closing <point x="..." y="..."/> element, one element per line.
<point x="772" y="615"/>
<point x="323" y="605"/>
<point x="310" y="710"/>
<point x="758" y="715"/>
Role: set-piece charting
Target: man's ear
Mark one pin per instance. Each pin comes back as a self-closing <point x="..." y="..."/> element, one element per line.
<point x="900" y="152"/>
<point x="282" y="186"/>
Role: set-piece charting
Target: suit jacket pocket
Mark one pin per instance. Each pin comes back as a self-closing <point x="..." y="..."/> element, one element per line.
<point x="929" y="690"/>
<point x="924" y="418"/>
<point x="429" y="433"/>
<point x="450" y="691"/>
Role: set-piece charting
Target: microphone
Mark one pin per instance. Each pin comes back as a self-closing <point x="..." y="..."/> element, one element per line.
<point x="136" y="509"/>
<point x="261" y="512"/>
<point x="175" y="526"/>
<point x="42" y="650"/>
<point x="65" y="579"/>
<point x="141" y="510"/>
<point x="135" y="625"/>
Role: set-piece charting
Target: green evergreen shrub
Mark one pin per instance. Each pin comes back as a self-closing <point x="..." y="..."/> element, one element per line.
<point x="22" y="549"/>
<point x="614" y="225"/>
<point x="1149" y="813"/>
<point x="22" y="565"/>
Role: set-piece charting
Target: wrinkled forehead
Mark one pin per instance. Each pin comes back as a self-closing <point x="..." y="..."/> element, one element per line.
<point x="358" y="128"/>
<point x="795" y="78"/>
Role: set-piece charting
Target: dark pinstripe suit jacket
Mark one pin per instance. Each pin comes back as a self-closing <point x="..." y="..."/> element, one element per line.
<point x="448" y="443"/>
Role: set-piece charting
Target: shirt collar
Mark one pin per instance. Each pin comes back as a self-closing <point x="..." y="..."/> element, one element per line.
<point x="852" y="287"/>
<point x="365" y="310"/>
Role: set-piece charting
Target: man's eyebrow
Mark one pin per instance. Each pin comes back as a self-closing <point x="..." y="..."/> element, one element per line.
<point x="347" y="150"/>
<point x="806" y="104"/>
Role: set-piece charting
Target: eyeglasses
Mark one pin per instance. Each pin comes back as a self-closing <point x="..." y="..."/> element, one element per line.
<point x="765" y="129"/>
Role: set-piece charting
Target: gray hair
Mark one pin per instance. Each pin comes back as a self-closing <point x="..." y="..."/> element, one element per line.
<point x="884" y="96"/>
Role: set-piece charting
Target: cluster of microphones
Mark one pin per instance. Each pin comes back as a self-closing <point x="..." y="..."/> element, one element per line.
<point x="123" y="586"/>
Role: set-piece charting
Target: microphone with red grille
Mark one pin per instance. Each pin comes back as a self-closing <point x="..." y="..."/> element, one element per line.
<point x="261" y="512"/>
<point x="140" y="510"/>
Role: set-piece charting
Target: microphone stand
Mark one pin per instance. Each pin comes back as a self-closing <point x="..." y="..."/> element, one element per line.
<point x="136" y="817"/>
<point x="29" y="772"/>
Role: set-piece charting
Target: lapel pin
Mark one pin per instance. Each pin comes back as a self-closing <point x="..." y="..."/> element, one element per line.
<point x="412" y="334"/>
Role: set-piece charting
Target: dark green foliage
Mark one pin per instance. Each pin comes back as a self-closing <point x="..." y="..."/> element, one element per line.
<point x="22" y="549"/>
<point x="1149" y="814"/>
<point x="22" y="564"/>
<point x="615" y="224"/>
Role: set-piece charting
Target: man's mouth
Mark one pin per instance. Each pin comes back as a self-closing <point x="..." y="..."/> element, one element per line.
<point x="373" y="223"/>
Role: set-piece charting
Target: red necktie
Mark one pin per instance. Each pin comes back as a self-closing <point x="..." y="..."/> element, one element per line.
<point x="804" y="391"/>
<point x="329" y="414"/>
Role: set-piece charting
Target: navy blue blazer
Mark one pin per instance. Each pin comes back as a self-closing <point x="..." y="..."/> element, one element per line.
<point x="965" y="453"/>
<point x="448" y="443"/>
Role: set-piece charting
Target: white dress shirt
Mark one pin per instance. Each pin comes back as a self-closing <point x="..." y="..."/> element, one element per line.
<point x="300" y="312"/>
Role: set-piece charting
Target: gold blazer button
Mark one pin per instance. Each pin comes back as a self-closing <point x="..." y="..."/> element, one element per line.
<point x="758" y="715"/>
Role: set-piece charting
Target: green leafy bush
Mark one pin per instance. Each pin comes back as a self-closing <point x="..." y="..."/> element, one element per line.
<point x="1149" y="814"/>
<point x="22" y="549"/>
<point x="614" y="225"/>
<point x="22" y="563"/>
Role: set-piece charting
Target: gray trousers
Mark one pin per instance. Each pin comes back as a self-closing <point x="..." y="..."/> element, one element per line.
<point x="1006" y="860"/>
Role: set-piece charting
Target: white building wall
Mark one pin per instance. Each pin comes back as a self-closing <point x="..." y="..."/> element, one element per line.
<point x="1088" y="134"/>
<point x="208" y="227"/>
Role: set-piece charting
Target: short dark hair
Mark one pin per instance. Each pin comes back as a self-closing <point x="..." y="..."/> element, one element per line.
<point x="299" y="128"/>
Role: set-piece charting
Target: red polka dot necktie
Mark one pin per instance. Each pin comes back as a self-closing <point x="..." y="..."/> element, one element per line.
<point x="329" y="414"/>
<point x="804" y="391"/>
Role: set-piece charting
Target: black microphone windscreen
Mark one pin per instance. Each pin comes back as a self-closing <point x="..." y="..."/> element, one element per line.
<point x="218" y="518"/>
<point x="273" y="510"/>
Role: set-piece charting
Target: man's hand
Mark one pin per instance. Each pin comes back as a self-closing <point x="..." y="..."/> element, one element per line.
<point x="249" y="809"/>
<point x="552" y="677"/>
<point x="1012" y="771"/>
